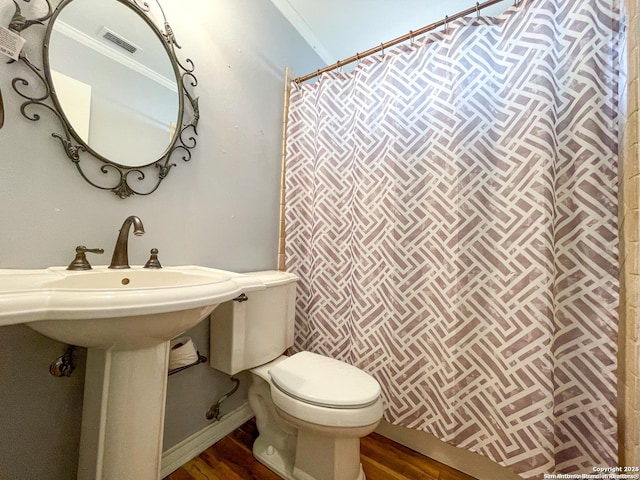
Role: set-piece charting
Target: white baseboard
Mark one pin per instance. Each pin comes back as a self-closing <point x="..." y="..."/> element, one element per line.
<point x="197" y="443"/>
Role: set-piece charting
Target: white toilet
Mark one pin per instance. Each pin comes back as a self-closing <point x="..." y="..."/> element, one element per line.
<point x="311" y="410"/>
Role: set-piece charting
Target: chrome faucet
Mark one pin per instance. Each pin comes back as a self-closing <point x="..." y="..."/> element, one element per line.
<point x="120" y="258"/>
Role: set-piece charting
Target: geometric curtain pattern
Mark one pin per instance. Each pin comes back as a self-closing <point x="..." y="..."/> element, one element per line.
<point x="451" y="211"/>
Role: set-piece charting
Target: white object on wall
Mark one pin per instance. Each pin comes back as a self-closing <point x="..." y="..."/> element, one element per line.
<point x="76" y="98"/>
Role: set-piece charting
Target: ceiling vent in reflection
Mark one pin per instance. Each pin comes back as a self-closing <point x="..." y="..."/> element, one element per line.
<point x="118" y="40"/>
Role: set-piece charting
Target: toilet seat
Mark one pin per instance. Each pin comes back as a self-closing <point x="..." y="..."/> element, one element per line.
<point x="346" y="418"/>
<point x="325" y="382"/>
<point x="324" y="391"/>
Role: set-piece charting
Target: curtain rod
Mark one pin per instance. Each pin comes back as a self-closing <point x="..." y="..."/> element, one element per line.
<point x="403" y="38"/>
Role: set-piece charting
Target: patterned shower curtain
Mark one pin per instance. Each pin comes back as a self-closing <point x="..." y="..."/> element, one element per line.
<point x="451" y="211"/>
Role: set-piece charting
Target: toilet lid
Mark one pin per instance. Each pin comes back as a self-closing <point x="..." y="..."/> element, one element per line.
<point x="323" y="381"/>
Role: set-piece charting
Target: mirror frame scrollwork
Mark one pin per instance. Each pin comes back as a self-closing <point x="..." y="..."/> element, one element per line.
<point x="127" y="178"/>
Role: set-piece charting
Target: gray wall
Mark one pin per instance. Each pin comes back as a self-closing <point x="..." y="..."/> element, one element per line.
<point x="218" y="210"/>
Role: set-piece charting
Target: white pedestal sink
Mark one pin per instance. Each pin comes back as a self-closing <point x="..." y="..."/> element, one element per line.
<point x="125" y="318"/>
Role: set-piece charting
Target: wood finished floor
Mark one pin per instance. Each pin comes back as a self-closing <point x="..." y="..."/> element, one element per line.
<point x="382" y="459"/>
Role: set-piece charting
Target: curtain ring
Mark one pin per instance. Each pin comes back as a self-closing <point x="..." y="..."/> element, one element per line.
<point x="382" y="48"/>
<point x="446" y="23"/>
<point x="477" y="9"/>
<point x="411" y="37"/>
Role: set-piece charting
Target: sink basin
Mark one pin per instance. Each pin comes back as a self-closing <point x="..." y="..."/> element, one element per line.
<point x="136" y="278"/>
<point x="125" y="317"/>
<point x="116" y="309"/>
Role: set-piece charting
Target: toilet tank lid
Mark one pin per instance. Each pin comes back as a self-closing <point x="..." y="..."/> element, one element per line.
<point x="273" y="278"/>
<point x="324" y="381"/>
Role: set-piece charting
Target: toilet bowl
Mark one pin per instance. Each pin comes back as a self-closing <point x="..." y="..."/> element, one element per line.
<point x="311" y="410"/>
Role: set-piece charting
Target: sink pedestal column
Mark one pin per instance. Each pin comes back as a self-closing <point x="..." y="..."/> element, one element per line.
<point x="123" y="414"/>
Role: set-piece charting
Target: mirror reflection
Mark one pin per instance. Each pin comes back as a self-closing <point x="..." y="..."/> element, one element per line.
<point x="113" y="81"/>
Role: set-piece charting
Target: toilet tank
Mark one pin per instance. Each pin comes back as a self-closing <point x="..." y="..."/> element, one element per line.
<point x="246" y="334"/>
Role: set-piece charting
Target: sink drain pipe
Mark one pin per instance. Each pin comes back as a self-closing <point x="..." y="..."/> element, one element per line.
<point x="63" y="366"/>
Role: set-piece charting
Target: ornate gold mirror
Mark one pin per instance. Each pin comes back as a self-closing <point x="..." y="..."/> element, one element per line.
<point x="123" y="99"/>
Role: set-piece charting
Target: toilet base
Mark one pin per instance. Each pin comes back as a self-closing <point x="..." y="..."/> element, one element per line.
<point x="326" y="453"/>
<point x="277" y="460"/>
<point x="309" y="467"/>
<point x="298" y="450"/>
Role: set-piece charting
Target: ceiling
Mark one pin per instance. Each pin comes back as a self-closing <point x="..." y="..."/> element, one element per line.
<point x="338" y="29"/>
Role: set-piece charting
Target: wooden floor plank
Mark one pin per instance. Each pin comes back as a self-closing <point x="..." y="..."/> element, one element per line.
<point x="399" y="459"/>
<point x="382" y="459"/>
<point x="199" y="469"/>
<point x="180" y="474"/>
<point x="237" y="458"/>
<point x="375" y="470"/>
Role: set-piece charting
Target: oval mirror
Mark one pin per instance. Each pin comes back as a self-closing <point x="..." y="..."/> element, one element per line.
<point x="113" y="81"/>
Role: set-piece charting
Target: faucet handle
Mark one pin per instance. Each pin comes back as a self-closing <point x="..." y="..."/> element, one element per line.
<point x="153" y="261"/>
<point x="81" y="262"/>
